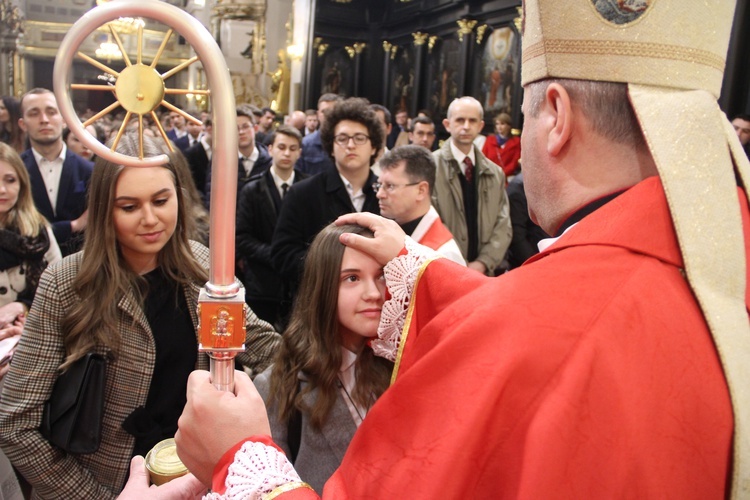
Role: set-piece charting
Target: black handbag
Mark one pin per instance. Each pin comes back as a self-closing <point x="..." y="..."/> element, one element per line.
<point x="72" y="417"/>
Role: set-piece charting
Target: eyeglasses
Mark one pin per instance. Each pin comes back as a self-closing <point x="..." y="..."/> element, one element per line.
<point x="390" y="188"/>
<point x="244" y="127"/>
<point x="359" y="139"/>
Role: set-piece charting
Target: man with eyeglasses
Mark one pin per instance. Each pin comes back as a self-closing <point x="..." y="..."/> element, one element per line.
<point x="406" y="182"/>
<point x="352" y="134"/>
<point x="470" y="190"/>
<point x="253" y="158"/>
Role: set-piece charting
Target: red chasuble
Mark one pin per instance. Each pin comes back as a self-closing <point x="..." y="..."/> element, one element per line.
<point x="589" y="372"/>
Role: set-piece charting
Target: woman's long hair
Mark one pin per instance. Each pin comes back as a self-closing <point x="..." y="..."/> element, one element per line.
<point x="104" y="277"/>
<point x="23" y="217"/>
<point x="14" y="113"/>
<point x="312" y="342"/>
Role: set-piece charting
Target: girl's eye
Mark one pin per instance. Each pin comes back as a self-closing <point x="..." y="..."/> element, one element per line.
<point x="127" y="208"/>
<point x="351" y="278"/>
<point x="160" y="202"/>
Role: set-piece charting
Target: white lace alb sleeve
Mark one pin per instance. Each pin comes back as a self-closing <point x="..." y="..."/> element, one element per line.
<point x="400" y="276"/>
<point x="257" y="470"/>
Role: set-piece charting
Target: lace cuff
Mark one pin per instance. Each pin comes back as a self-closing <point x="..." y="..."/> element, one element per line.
<point x="256" y="471"/>
<point x="400" y="276"/>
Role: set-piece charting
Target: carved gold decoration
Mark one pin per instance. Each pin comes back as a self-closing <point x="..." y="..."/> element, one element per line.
<point x="227" y="10"/>
<point x="431" y="43"/>
<point x="518" y="21"/>
<point x="359" y="47"/>
<point x="280" y="83"/>
<point x="420" y="38"/>
<point x="317" y="41"/>
<point x="465" y="27"/>
<point x="480" y="33"/>
<point x="390" y="49"/>
<point x="322" y="47"/>
<point x="11" y="19"/>
<point x="350" y="50"/>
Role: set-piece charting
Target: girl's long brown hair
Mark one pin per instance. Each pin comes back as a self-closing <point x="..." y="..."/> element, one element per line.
<point x="312" y="342"/>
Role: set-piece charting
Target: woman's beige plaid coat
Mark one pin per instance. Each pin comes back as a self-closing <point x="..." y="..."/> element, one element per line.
<point x="100" y="475"/>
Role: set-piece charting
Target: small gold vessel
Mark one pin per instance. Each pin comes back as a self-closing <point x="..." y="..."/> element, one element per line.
<point x="163" y="464"/>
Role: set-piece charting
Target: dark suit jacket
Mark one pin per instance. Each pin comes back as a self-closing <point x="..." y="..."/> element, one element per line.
<point x="320" y="452"/>
<point x="199" y="163"/>
<point x="262" y="164"/>
<point x="182" y="143"/>
<point x="257" y="211"/>
<point x="314" y="158"/>
<point x="309" y="206"/>
<point x="71" y="197"/>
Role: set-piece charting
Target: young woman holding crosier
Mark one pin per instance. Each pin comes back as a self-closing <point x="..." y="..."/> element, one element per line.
<point x="131" y="294"/>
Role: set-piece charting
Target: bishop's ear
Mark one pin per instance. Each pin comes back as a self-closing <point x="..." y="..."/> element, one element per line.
<point x="558" y="105"/>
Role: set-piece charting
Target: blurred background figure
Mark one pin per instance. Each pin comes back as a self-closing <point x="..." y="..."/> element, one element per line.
<point x="502" y="147"/>
<point x="10" y="132"/>
<point x="27" y="246"/>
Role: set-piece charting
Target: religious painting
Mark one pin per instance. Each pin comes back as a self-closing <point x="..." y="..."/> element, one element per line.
<point x="499" y="70"/>
<point x="402" y="81"/>
<point x="336" y="73"/>
<point x="442" y="67"/>
<point x="621" y="11"/>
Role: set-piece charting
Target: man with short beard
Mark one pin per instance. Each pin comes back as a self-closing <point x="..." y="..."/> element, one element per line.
<point x="59" y="178"/>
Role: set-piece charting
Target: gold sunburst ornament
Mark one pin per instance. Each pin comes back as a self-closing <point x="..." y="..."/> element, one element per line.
<point x="139" y="88"/>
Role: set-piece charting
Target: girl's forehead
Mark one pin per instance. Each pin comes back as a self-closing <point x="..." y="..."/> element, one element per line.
<point x="144" y="179"/>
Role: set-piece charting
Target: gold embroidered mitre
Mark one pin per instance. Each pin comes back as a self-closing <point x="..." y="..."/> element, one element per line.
<point x="671" y="54"/>
<point x="664" y="43"/>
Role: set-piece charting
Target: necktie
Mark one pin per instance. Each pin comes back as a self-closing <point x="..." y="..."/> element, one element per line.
<point x="284" y="189"/>
<point x="469" y="173"/>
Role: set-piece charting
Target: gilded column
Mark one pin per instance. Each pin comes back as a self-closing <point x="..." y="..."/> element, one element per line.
<point x="387" y="58"/>
<point x="465" y="31"/>
<point x="420" y="45"/>
<point x="10" y="27"/>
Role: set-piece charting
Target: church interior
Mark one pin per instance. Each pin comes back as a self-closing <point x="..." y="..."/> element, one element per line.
<point x="405" y="54"/>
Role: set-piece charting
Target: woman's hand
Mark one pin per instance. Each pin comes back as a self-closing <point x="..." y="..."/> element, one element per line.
<point x="137" y="488"/>
<point x="10" y="312"/>
<point x="7" y="332"/>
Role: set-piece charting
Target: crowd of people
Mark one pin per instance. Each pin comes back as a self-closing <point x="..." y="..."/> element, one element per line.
<point x="388" y="357"/>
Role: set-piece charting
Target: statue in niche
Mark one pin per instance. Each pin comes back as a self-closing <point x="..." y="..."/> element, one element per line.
<point x="248" y="52"/>
<point x="333" y="80"/>
<point x="280" y="81"/>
